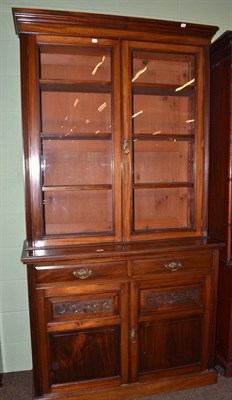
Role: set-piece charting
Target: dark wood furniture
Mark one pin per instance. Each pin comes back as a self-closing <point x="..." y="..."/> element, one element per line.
<point x="1" y="367"/>
<point x="220" y="218"/>
<point x="122" y="276"/>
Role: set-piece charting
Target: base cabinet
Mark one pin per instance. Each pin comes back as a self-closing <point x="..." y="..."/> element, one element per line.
<point x="154" y="321"/>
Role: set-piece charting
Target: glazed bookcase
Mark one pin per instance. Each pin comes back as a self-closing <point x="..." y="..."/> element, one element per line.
<point x="122" y="276"/>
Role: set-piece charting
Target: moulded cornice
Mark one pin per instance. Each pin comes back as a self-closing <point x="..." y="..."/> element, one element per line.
<point x="35" y="21"/>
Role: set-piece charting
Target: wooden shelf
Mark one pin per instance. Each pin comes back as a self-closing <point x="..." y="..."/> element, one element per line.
<point x="75" y="136"/>
<point x="161" y="90"/>
<point x="159" y="136"/>
<point x="75" y="188"/>
<point x="162" y="185"/>
<point x="59" y="85"/>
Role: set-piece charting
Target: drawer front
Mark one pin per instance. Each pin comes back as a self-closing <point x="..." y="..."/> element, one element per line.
<point x="156" y="299"/>
<point x="70" y="305"/>
<point x="178" y="263"/>
<point x="81" y="272"/>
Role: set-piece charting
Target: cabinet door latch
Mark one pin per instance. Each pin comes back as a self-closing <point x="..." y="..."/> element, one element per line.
<point x="133" y="335"/>
<point x="126" y="147"/>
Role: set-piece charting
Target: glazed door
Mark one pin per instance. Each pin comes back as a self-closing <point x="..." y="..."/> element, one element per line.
<point x="77" y="133"/>
<point x="169" y="332"/>
<point x="163" y="140"/>
<point x="85" y="331"/>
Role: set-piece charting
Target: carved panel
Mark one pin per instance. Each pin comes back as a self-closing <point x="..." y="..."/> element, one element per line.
<point x="179" y="296"/>
<point x="83" y="307"/>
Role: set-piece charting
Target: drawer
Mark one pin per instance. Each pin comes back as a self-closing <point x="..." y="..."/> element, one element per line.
<point x="178" y="263"/>
<point x="69" y="302"/>
<point x="81" y="272"/>
<point x="153" y="298"/>
<point x="89" y="305"/>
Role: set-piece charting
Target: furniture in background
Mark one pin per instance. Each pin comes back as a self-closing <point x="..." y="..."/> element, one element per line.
<point x="1" y="366"/>
<point x="220" y="217"/>
<point x="122" y="276"/>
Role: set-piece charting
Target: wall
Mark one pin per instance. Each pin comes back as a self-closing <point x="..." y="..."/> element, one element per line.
<point x="14" y="321"/>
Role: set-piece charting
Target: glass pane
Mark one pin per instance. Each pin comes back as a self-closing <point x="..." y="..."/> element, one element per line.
<point x="76" y="113"/>
<point x="157" y="67"/>
<point x="165" y="115"/>
<point x="68" y="212"/>
<point x="77" y="162"/>
<point x="163" y="161"/>
<point x="163" y="208"/>
<point x="75" y="63"/>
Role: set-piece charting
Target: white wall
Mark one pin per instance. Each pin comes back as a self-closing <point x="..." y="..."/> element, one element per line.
<point x="14" y="320"/>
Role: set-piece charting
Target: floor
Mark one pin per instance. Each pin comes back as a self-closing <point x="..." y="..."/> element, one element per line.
<point x="18" y="385"/>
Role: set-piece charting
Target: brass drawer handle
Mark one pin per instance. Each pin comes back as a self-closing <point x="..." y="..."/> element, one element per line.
<point x="173" y="266"/>
<point x="83" y="273"/>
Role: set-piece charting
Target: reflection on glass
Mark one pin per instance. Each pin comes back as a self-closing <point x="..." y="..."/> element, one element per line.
<point x="163" y="161"/>
<point x="76" y="162"/>
<point x="68" y="212"/>
<point x="75" y="63"/>
<point x="162" y="68"/>
<point x="182" y="87"/>
<point x="166" y="115"/>
<point x="69" y="113"/>
<point x="99" y="64"/>
<point x="139" y="72"/>
<point x="163" y="208"/>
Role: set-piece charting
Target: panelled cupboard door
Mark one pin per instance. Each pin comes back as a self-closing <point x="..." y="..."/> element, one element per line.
<point x="85" y="331"/>
<point x="169" y="335"/>
<point x="73" y="139"/>
<point x="163" y="140"/>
